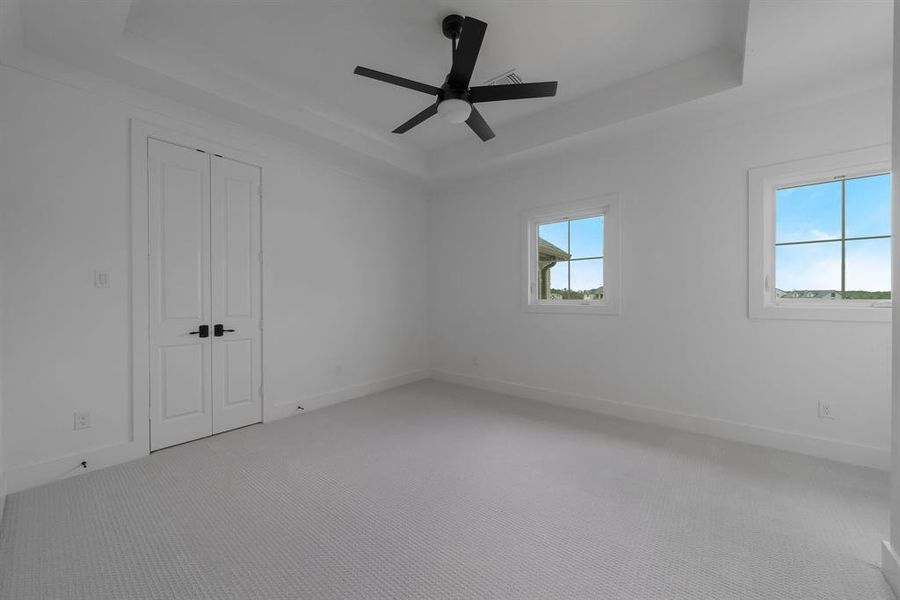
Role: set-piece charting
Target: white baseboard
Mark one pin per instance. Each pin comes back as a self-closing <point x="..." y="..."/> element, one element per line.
<point x="890" y="567"/>
<point x="28" y="476"/>
<point x="286" y="409"/>
<point x="857" y="454"/>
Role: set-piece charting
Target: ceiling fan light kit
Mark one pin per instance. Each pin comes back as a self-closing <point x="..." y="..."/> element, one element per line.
<point x="454" y="110"/>
<point x="455" y="100"/>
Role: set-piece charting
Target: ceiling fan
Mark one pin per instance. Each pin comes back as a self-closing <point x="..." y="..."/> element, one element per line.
<point x="455" y="99"/>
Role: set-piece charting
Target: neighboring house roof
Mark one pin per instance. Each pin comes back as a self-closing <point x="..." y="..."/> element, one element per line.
<point x="547" y="251"/>
<point x="807" y="294"/>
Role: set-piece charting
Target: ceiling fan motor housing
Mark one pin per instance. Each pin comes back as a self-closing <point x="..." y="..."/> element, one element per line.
<point x="447" y="93"/>
<point x="458" y="108"/>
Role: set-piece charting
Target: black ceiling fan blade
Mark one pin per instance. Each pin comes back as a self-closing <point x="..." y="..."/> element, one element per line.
<point x="466" y="52"/>
<point x="514" y="91"/>
<point x="401" y="81"/>
<point x="479" y="125"/>
<point x="422" y="116"/>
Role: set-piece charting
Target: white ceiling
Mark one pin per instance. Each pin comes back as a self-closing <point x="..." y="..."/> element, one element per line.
<point x="309" y="49"/>
<point x="286" y="66"/>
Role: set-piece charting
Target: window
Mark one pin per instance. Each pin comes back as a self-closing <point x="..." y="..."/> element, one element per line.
<point x="820" y="232"/>
<point x="571" y="257"/>
<point x="833" y="239"/>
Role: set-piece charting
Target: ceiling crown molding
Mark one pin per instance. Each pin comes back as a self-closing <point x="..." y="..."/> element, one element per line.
<point x="703" y="75"/>
<point x="92" y="37"/>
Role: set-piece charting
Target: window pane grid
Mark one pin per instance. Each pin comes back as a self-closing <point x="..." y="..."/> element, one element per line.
<point x="843" y="235"/>
<point x="843" y="239"/>
<point x="847" y="239"/>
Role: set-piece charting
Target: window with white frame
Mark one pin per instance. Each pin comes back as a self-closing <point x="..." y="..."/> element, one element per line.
<point x="820" y="238"/>
<point x="571" y="262"/>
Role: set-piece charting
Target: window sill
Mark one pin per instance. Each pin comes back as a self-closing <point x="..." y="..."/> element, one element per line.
<point x="593" y="308"/>
<point x="879" y="312"/>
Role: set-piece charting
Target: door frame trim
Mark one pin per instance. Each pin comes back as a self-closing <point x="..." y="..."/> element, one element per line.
<point x="140" y="132"/>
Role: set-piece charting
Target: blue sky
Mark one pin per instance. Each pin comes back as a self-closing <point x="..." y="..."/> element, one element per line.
<point x="586" y="240"/>
<point x="813" y="212"/>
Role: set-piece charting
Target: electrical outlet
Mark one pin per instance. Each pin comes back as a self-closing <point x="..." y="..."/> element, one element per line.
<point x="474" y="361"/>
<point x="338" y="370"/>
<point x="826" y="410"/>
<point x="82" y="420"/>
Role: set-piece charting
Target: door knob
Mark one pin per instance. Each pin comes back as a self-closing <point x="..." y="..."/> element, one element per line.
<point x="202" y="331"/>
<point x="219" y="329"/>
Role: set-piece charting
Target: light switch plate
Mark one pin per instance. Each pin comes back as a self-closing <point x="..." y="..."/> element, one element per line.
<point x="101" y="279"/>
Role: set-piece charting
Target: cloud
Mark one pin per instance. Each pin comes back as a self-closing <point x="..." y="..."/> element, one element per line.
<point x="817" y="234"/>
<point x="869" y="266"/>
<point x="818" y="266"/>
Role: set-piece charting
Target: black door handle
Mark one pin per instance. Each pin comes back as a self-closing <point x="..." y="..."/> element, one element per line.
<point x="202" y="331"/>
<point x="219" y="329"/>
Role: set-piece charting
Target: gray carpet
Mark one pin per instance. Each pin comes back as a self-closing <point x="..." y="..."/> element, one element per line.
<point x="439" y="491"/>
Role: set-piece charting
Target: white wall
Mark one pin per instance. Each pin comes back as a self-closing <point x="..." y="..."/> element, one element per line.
<point x="344" y="278"/>
<point x="683" y="351"/>
<point x="890" y="562"/>
<point x="4" y="159"/>
<point x="345" y="281"/>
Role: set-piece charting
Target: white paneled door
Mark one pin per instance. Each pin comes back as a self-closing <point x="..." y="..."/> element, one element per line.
<point x="236" y="356"/>
<point x="205" y="294"/>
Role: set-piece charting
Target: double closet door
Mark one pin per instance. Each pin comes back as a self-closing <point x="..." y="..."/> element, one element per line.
<point x="205" y="294"/>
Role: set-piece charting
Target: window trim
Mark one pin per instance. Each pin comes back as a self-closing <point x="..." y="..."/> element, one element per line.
<point x="606" y="205"/>
<point x="762" y="185"/>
